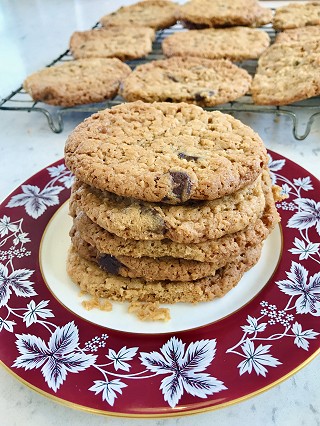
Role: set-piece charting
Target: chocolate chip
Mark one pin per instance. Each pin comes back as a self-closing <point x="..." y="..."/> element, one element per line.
<point x="172" y="78"/>
<point x="187" y="157"/>
<point x="159" y="225"/>
<point x="201" y="96"/>
<point x="181" y="185"/>
<point x="109" y="264"/>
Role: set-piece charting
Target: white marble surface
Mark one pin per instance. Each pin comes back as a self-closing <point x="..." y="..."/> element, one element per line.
<point x="33" y="33"/>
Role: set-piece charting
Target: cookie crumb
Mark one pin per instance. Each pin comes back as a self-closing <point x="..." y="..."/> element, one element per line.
<point x="149" y="311"/>
<point x="278" y="195"/>
<point x="96" y="303"/>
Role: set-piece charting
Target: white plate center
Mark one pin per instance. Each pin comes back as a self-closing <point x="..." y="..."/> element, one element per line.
<point x="184" y="316"/>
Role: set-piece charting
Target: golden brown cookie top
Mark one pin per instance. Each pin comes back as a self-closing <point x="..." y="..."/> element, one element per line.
<point x="224" y="13"/>
<point x="77" y="82"/>
<point x="297" y="15"/>
<point x="191" y="222"/>
<point x="200" y="81"/>
<point x="115" y="42"/>
<point x="165" y="152"/>
<point x="235" y="43"/>
<point x="155" y="14"/>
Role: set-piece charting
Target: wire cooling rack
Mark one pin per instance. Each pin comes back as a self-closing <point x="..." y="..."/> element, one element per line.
<point x="302" y="114"/>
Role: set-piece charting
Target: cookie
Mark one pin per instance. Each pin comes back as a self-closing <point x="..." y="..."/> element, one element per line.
<point x="148" y="268"/>
<point x="299" y="35"/>
<point x="165" y="152"/>
<point x="115" y="42"/>
<point x="235" y="44"/>
<point x="198" y="81"/>
<point x="77" y="82"/>
<point x="297" y="15"/>
<point x="287" y="73"/>
<point x="215" y="251"/>
<point x="155" y="14"/>
<point x="224" y="13"/>
<point x="93" y="280"/>
<point x="191" y="222"/>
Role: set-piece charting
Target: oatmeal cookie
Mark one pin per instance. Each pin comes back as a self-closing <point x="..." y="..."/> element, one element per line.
<point x="155" y="14"/>
<point x="194" y="80"/>
<point x="148" y="268"/>
<point x="297" y="15"/>
<point x="77" y="82"/>
<point x="235" y="44"/>
<point x="224" y="13"/>
<point x="191" y="222"/>
<point x="287" y="73"/>
<point x="115" y="42"/>
<point x="299" y="35"/>
<point x="215" y="250"/>
<point x="165" y="152"/>
<point x="93" y="280"/>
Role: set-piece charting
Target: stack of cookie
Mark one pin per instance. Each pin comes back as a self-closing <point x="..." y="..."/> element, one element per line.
<point x="171" y="203"/>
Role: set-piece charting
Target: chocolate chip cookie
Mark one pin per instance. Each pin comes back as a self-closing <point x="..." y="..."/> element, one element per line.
<point x="99" y="283"/>
<point x="214" y="250"/>
<point x="191" y="222"/>
<point x="287" y="73"/>
<point x="199" y="81"/>
<point x="224" y="13"/>
<point x="165" y="152"/>
<point x="297" y="15"/>
<point x="148" y="268"/>
<point x="115" y="42"/>
<point x="155" y="14"/>
<point x="235" y="44"/>
<point x="299" y="35"/>
<point x="77" y="82"/>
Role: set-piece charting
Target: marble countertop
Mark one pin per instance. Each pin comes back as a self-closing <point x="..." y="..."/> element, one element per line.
<point x="33" y="33"/>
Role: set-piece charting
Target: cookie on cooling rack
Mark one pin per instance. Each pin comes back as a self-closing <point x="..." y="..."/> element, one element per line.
<point x="120" y="42"/>
<point x="155" y="14"/>
<point x="223" y="13"/>
<point x="287" y="73"/>
<point x="299" y="35"/>
<point x="165" y="152"/>
<point x="235" y="44"/>
<point x="77" y="82"/>
<point x="297" y="15"/>
<point x="200" y="81"/>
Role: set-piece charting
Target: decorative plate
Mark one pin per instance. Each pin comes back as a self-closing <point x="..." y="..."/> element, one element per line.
<point x="208" y="356"/>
